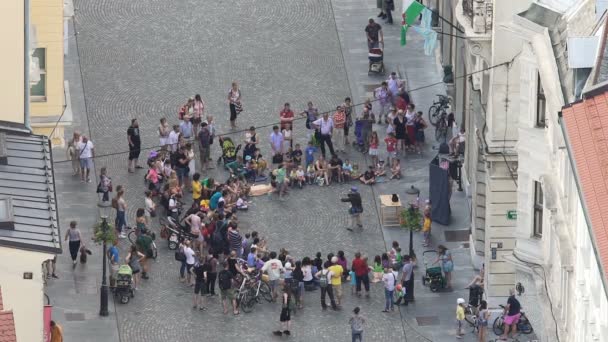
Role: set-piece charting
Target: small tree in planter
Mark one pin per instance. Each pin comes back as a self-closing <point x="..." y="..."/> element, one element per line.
<point x="103" y="232"/>
<point x="411" y="219"/>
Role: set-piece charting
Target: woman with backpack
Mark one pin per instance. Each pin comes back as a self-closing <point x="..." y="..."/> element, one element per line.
<point x="324" y="275"/>
<point x="285" y="317"/>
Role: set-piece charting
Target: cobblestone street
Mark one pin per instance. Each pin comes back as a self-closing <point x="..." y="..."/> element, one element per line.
<point x="143" y="59"/>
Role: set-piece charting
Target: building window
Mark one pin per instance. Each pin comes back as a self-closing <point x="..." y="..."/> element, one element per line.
<point x="38" y="90"/>
<point x="538" y="209"/>
<point x="541" y="104"/>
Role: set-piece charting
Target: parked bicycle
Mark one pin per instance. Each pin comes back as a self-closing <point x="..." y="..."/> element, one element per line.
<point x="438" y="109"/>
<point x="523" y="324"/>
<point x="470" y="315"/>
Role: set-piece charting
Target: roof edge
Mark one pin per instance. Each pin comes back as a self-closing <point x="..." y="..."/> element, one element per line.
<point x="30" y="248"/>
<point x="594" y="90"/>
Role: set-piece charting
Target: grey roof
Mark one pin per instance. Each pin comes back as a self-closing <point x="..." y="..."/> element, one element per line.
<point x="602" y="72"/>
<point x="558" y="33"/>
<point x="26" y="177"/>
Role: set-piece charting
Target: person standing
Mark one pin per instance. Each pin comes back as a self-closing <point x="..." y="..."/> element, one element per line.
<point x="86" y="153"/>
<point x="201" y="274"/>
<point x="276" y="144"/>
<point x="512" y="315"/>
<point x="105" y="185"/>
<point x="383" y="95"/>
<point x="356" y="208"/>
<point x="134" y="141"/>
<point x="114" y="260"/>
<point x="212" y="274"/>
<point x="198" y="110"/>
<point x="482" y="319"/>
<point x="311" y="113"/>
<point x="212" y="131"/>
<point x="356" y="325"/>
<point x="120" y="205"/>
<point x="374" y="34"/>
<point x="380" y="6"/>
<point x="173" y="139"/>
<point x="447" y="265"/>
<point x="72" y="153"/>
<point x="336" y="279"/>
<point x="287" y="116"/>
<point x="226" y="290"/>
<point x="186" y="130"/>
<point x="273" y="267"/>
<point x="74" y="237"/>
<point x="407" y="280"/>
<point x="325" y="125"/>
<point x="234" y="102"/>
<point x="348" y="111"/>
<point x="163" y="132"/>
<point x="339" y="124"/>
<point x="389" y="278"/>
<point x="324" y="277"/>
<point x="389" y="6"/>
<point x="361" y="270"/>
<point x="204" y="139"/>
<point x="395" y="85"/>
<point x="56" y="332"/>
<point x="285" y="317"/>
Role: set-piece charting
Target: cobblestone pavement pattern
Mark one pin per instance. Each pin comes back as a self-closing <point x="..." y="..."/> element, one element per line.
<point x="143" y="59"/>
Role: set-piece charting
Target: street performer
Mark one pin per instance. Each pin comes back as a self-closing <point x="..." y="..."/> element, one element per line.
<point x="356" y="208"/>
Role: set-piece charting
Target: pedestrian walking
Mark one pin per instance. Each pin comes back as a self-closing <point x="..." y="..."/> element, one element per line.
<point x="198" y="110"/>
<point x="447" y="265"/>
<point x="361" y="269"/>
<point x="134" y="141"/>
<point x="163" y="132"/>
<point x="285" y="317"/>
<point x="324" y="277"/>
<point x="73" y="152"/>
<point x="325" y="125"/>
<point x="104" y="187"/>
<point x="460" y="302"/>
<point x="356" y="208"/>
<point x="339" y="119"/>
<point x="74" y="236"/>
<point x="383" y="95"/>
<point x="86" y="153"/>
<point x="389" y="278"/>
<point x="356" y="325"/>
<point x="234" y="103"/>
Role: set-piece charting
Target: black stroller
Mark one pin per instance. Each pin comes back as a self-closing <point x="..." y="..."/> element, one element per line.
<point x="376" y="61"/>
<point x="229" y="151"/>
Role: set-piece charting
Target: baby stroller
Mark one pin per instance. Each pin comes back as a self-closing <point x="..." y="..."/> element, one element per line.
<point x="124" y="284"/>
<point x="433" y="275"/>
<point x="376" y="61"/>
<point x="359" y="143"/>
<point x="229" y="150"/>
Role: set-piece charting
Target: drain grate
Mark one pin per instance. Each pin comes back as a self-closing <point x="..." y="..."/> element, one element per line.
<point x="456" y="235"/>
<point x="427" y="320"/>
<point x="74" y="316"/>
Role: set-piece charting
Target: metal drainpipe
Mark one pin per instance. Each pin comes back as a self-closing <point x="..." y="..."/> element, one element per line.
<point x="26" y="65"/>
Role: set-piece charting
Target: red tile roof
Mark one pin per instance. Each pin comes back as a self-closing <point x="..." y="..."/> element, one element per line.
<point x="586" y="125"/>
<point x="7" y="324"/>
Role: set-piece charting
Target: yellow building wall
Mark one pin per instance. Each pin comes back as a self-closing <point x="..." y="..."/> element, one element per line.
<point x="47" y="18"/>
<point x="11" y="61"/>
<point x="24" y="296"/>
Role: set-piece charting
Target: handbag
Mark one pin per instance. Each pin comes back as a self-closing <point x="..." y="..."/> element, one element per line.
<point x="83" y="255"/>
<point x="238" y="107"/>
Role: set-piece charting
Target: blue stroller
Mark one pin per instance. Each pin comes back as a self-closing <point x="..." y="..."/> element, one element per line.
<point x="359" y="135"/>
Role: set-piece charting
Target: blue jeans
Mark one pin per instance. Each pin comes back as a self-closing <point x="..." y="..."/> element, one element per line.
<point x="388" y="295"/>
<point x="357" y="336"/>
<point x="121" y="220"/>
<point x="182" y="269"/>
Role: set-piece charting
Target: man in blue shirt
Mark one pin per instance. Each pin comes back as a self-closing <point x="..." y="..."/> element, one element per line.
<point x="251" y="257"/>
<point x="214" y="199"/>
<point x="114" y="260"/>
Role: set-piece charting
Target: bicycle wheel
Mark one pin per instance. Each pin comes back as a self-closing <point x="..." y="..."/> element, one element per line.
<point x="498" y="326"/>
<point x="441" y="134"/>
<point x="247" y="303"/>
<point x="524" y="325"/>
<point x="132" y="237"/>
<point x="265" y="292"/>
<point x="470" y="316"/>
<point x="434" y="114"/>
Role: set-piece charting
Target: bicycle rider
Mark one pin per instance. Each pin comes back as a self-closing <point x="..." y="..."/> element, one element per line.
<point x="512" y="315"/>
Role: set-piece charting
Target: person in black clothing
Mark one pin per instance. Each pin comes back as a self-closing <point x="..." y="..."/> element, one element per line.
<point x="201" y="273"/>
<point x="356" y="207"/>
<point x="134" y="145"/>
<point x="180" y="160"/>
<point x="513" y="312"/>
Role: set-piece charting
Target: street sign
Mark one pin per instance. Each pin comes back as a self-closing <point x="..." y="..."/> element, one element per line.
<point x="511" y="214"/>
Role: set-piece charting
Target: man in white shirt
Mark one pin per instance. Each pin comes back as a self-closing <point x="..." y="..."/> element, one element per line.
<point x="395" y="85"/>
<point x="390" y="280"/>
<point x="86" y="152"/>
<point x="273" y="267"/>
<point x="173" y="139"/>
<point x="325" y="126"/>
<point x="276" y="141"/>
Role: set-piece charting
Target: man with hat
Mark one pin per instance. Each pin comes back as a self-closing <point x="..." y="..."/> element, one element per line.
<point x="356" y="207"/>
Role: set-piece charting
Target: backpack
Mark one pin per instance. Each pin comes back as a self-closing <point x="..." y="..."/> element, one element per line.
<point x="115" y="203"/>
<point x="225" y="280"/>
<point x="323" y="280"/>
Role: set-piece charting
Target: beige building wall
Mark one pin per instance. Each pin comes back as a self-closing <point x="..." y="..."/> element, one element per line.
<point x="47" y="18"/>
<point x="11" y="61"/>
<point x="23" y="296"/>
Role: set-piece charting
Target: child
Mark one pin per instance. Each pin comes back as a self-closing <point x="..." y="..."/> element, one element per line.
<point x="297" y="155"/>
<point x="197" y="187"/>
<point x="347" y="169"/>
<point x="353" y="281"/>
<point x="399" y="294"/>
<point x="373" y="147"/>
<point x="482" y="320"/>
<point x="377" y="269"/>
<point x="153" y="178"/>
<point x="460" y="317"/>
<point x="300" y="178"/>
<point x="310" y="174"/>
<point x="355" y="172"/>
<point x="426" y="229"/>
<point x="310" y="154"/>
<point x="380" y="171"/>
<point x="369" y="177"/>
<point x="396" y="169"/>
<point x="391" y="145"/>
<point x="368" y="104"/>
<point x="398" y="259"/>
<point x="293" y="178"/>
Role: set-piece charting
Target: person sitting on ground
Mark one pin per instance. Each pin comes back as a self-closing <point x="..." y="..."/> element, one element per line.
<point x="396" y="169"/>
<point x="293" y="178"/>
<point x="380" y="170"/>
<point x="236" y="167"/>
<point x="369" y="177"/>
<point x="297" y="155"/>
<point x="335" y="168"/>
<point x="347" y="169"/>
<point x="310" y="173"/>
<point x="300" y="177"/>
<point x="260" y="162"/>
<point x="321" y="171"/>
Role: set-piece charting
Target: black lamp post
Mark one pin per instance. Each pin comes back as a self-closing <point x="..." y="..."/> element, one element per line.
<point x="413" y="198"/>
<point x="104" y="209"/>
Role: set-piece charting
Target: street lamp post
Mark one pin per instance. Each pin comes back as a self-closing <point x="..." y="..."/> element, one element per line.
<point x="413" y="198"/>
<point x="104" y="208"/>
